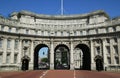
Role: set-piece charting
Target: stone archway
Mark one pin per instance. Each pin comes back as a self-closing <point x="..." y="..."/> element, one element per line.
<point x="36" y="58"/>
<point x="61" y="57"/>
<point x="82" y="56"/>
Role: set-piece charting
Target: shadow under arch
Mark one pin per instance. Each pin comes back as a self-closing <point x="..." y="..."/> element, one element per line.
<point x="86" y="58"/>
<point x="61" y="57"/>
<point x="36" y="51"/>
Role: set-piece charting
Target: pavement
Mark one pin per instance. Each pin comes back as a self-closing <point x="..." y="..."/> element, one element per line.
<point x="59" y="74"/>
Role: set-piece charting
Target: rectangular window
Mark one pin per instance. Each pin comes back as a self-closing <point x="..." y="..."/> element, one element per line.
<point x="61" y="33"/>
<point x="2" y="28"/>
<point x="16" y="30"/>
<point x="108" y="49"/>
<point x="1" y="58"/>
<point x="8" y="58"/>
<point x="55" y="33"/>
<point x="109" y="60"/>
<point x="116" y="60"/>
<point x="98" y="50"/>
<point x="8" y="43"/>
<point x="107" y="30"/>
<point x="15" y="58"/>
<point x="114" y="29"/>
<point x="27" y="31"/>
<point x="0" y="43"/>
<point x="96" y="31"/>
<point x="115" y="40"/>
<point x="115" y="49"/>
<point x="81" y="33"/>
<point x="16" y="44"/>
<point x="36" y="32"/>
<point x="9" y="30"/>
<point x="88" y="32"/>
<point x="42" y="32"/>
<point x="108" y="40"/>
<point x="75" y="33"/>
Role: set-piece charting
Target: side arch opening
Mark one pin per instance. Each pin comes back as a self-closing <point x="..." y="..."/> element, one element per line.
<point x="82" y="57"/>
<point x="41" y="57"/>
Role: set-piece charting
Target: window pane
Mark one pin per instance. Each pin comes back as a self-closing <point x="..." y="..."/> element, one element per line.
<point x="15" y="58"/>
<point x="0" y="43"/>
<point x="16" y="44"/>
<point x="9" y="30"/>
<point x="8" y="43"/>
<point x="1" y="58"/>
<point x="8" y="58"/>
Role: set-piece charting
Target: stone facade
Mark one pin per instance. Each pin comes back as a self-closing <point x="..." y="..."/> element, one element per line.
<point x="26" y="29"/>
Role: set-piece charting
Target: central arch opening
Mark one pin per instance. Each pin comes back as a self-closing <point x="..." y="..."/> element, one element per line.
<point x="82" y="59"/>
<point x="62" y="57"/>
<point x="41" y="57"/>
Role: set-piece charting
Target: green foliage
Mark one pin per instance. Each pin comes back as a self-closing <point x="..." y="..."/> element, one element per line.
<point x="44" y="60"/>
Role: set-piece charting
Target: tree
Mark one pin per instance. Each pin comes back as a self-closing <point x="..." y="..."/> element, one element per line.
<point x="44" y="60"/>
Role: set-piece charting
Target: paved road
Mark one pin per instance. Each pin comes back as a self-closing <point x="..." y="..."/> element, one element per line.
<point x="94" y="74"/>
<point x="25" y="74"/>
<point x="59" y="74"/>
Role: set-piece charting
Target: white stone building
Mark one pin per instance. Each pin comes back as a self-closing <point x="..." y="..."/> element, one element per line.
<point x="84" y="41"/>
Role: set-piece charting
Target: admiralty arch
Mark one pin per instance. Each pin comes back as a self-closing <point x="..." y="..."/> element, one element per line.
<point x="88" y="41"/>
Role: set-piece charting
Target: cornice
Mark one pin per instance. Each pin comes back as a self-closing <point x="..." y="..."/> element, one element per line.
<point x="60" y="17"/>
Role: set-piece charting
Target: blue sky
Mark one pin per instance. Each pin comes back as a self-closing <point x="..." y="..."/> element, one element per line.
<point x="45" y="50"/>
<point x="112" y="7"/>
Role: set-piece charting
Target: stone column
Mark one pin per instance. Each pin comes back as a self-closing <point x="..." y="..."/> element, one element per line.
<point x="92" y="56"/>
<point x="4" y="50"/>
<point x="71" y="56"/>
<point x="111" y="51"/>
<point x="104" y="53"/>
<point x="12" y="50"/>
<point x="20" y="51"/>
<point x="51" y="55"/>
<point x="31" y="55"/>
<point x="119" y="48"/>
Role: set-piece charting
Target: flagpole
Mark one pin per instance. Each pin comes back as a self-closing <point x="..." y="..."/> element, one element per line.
<point x="62" y="9"/>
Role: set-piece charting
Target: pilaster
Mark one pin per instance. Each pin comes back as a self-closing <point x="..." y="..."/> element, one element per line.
<point x="31" y="52"/>
<point x="12" y="50"/>
<point x="31" y="55"/>
<point x="111" y="51"/>
<point x="92" y="55"/>
<point x="51" y="55"/>
<point x="104" y="53"/>
<point x="20" y="51"/>
<point x="119" y="48"/>
<point x="71" y="56"/>
<point x="4" y="50"/>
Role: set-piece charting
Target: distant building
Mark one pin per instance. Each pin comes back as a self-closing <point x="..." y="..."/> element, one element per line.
<point x="88" y="41"/>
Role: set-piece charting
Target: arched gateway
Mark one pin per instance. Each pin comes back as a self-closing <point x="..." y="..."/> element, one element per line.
<point x="62" y="57"/>
<point x="73" y="41"/>
<point x="82" y="57"/>
<point x="41" y="62"/>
